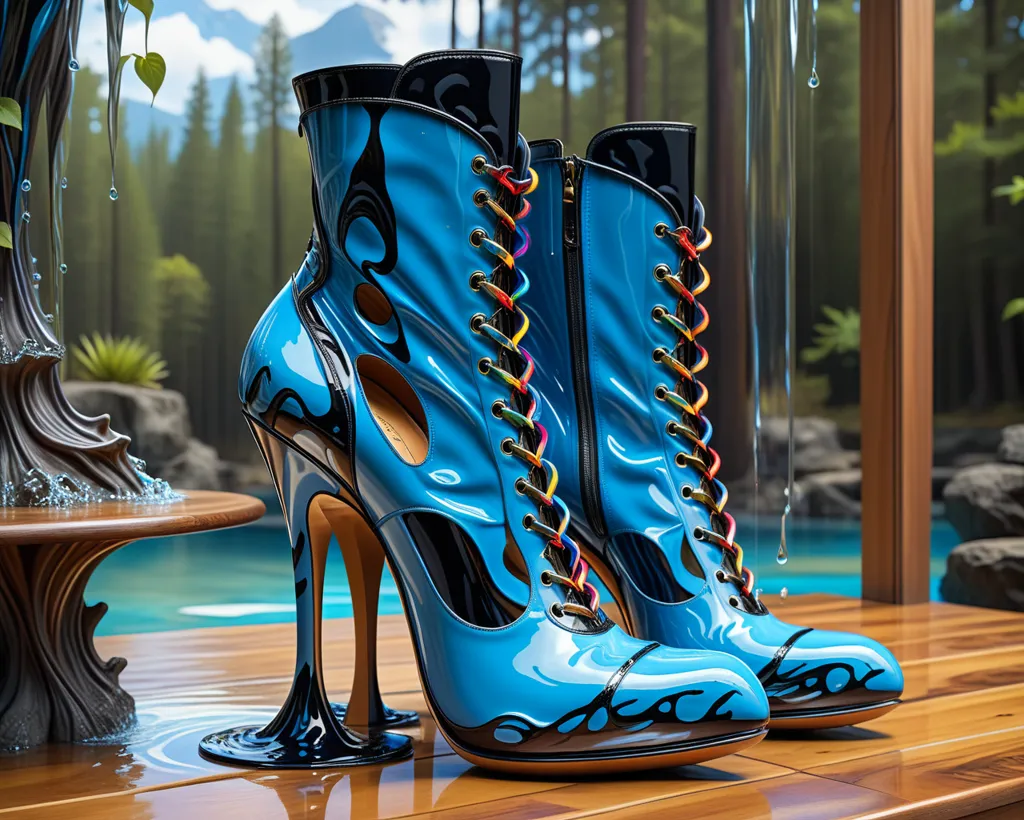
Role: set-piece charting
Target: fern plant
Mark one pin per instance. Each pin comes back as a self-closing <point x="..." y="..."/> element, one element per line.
<point x="124" y="360"/>
<point x="839" y="337"/>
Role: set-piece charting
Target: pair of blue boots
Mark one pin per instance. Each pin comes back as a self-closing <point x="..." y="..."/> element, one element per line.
<point x="498" y="413"/>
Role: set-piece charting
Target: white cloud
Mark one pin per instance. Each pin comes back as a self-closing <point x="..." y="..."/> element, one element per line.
<point x="298" y="16"/>
<point x="178" y="39"/>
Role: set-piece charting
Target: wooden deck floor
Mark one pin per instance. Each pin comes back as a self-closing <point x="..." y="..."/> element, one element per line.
<point x="955" y="748"/>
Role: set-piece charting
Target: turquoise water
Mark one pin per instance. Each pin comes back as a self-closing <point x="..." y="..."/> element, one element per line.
<point x="243" y="576"/>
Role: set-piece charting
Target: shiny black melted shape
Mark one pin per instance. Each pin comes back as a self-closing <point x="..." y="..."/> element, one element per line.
<point x="800" y="688"/>
<point x="568" y="731"/>
<point x="367" y="198"/>
<point x="647" y="567"/>
<point x="344" y="82"/>
<point x="661" y="155"/>
<point x="459" y="572"/>
<point x="478" y="88"/>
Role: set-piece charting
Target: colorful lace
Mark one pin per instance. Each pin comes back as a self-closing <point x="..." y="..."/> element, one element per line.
<point x="533" y="437"/>
<point x="712" y="493"/>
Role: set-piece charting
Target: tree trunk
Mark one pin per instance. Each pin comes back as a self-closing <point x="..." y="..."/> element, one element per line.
<point x="566" y="91"/>
<point x="517" y="26"/>
<point x="480" y="28"/>
<point x="42" y="438"/>
<point x="636" y="58"/>
<point x="455" y="30"/>
<point x="726" y="300"/>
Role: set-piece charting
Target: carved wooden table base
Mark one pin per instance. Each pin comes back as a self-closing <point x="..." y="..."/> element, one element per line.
<point x="53" y="684"/>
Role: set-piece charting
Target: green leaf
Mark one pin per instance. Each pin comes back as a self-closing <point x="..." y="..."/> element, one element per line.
<point x="1015" y="307"/>
<point x="146" y="7"/>
<point x="10" y="113"/>
<point x="1015" y="190"/>
<point x="151" y="69"/>
<point x="6" y="239"/>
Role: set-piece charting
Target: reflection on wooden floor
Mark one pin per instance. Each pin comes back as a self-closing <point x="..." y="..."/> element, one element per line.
<point x="954" y="749"/>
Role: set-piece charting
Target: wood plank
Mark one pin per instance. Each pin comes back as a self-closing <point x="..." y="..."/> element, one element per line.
<point x="896" y="289"/>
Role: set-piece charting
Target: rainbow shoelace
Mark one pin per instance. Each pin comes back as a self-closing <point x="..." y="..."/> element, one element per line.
<point x="533" y="437"/>
<point x="694" y="426"/>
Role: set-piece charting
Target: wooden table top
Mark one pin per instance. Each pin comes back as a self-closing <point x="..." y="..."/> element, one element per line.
<point x="955" y="748"/>
<point x="199" y="510"/>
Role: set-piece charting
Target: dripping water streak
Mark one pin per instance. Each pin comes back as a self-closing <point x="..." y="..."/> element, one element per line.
<point x="813" y="81"/>
<point x="115" y="14"/>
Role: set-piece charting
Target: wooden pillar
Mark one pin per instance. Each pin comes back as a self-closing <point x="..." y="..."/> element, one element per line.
<point x="897" y="97"/>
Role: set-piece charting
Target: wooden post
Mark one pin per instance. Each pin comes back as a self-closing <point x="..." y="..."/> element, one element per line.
<point x="897" y="100"/>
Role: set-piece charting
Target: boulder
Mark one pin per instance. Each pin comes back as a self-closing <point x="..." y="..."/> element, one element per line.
<point x="951" y="443"/>
<point x="986" y="573"/>
<point x="197" y="468"/>
<point x="816" y="446"/>
<point x="1011" y="447"/>
<point x="156" y="420"/>
<point x="986" y="501"/>
<point x="831" y="495"/>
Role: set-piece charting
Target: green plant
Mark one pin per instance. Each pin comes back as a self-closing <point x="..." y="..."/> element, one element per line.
<point x="184" y="295"/>
<point x="10" y="115"/>
<point x="839" y="337"/>
<point x="124" y="360"/>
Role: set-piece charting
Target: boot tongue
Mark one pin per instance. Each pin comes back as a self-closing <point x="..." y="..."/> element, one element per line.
<point x="661" y="155"/>
<point x="342" y="82"/>
<point x="479" y="88"/>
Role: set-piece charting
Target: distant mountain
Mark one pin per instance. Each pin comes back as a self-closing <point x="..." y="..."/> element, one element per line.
<point x="356" y="34"/>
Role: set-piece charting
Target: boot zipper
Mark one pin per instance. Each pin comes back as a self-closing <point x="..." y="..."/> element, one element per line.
<point x="590" y="492"/>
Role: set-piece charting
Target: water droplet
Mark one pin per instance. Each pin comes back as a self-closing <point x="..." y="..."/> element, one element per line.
<point x="783" y="554"/>
<point x="26" y="217"/>
<point x="784" y="593"/>
<point x="113" y="194"/>
<point x="37" y="277"/>
<point x="813" y="81"/>
<point x="63" y="268"/>
<point x="26" y="185"/>
<point x="73" y="64"/>
<point x="64" y="182"/>
<point x="49" y="318"/>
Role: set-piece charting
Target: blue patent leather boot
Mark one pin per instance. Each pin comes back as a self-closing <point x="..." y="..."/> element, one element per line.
<point x="392" y="379"/>
<point x="615" y="257"/>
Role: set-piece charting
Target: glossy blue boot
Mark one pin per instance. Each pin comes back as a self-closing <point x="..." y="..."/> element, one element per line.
<point x="617" y="238"/>
<point x="392" y="369"/>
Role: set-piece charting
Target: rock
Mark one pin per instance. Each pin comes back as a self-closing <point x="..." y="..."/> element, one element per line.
<point x="986" y="501"/>
<point x="951" y="442"/>
<point x="155" y="420"/>
<point x="986" y="573"/>
<point x="1011" y="447"/>
<point x="830" y="495"/>
<point x="816" y="446"/>
<point x="197" y="468"/>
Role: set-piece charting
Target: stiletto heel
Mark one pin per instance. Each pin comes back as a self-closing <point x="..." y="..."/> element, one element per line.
<point x="364" y="563"/>
<point x="305" y="732"/>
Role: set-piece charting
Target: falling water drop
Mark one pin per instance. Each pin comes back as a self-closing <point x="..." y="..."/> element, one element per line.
<point x="26" y="185"/>
<point x="783" y="555"/>
<point x="26" y="217"/>
<point x="784" y="593"/>
<point x="37" y="277"/>
<point x="49" y="318"/>
<point x="73" y="64"/>
<point x="813" y="81"/>
<point x="113" y="194"/>
<point x="64" y="182"/>
<point x="63" y="268"/>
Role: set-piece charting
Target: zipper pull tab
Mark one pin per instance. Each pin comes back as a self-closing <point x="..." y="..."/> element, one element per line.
<point x="568" y="192"/>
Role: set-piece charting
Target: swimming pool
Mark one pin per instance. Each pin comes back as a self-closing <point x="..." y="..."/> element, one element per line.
<point x="243" y="576"/>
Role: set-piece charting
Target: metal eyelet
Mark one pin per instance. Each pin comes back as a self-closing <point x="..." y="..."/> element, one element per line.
<point x="734" y="602"/>
<point x="476" y="239"/>
<point x="521" y="486"/>
<point x="476" y="322"/>
<point x="498" y="408"/>
<point x="661" y="229"/>
<point x="662" y="272"/>
<point x="556" y="610"/>
<point x="672" y="428"/>
<point x="686" y="491"/>
<point x="658" y="354"/>
<point x="528" y="521"/>
<point x="660" y="392"/>
<point x="545" y="578"/>
<point x="720" y="577"/>
<point x="484" y="366"/>
<point x="477" y="279"/>
<point x="698" y="533"/>
<point x="480" y="197"/>
<point x="658" y="311"/>
<point x="478" y="164"/>
<point x="681" y="462"/>
<point x="506" y="446"/>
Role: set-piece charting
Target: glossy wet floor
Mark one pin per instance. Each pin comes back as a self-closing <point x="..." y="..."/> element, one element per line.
<point x="955" y="748"/>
